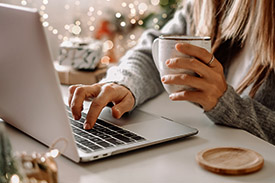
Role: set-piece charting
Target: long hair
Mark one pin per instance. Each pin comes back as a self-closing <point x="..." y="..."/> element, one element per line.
<point x="235" y="20"/>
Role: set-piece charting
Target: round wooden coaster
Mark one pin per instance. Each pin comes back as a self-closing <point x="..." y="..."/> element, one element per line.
<point x="230" y="160"/>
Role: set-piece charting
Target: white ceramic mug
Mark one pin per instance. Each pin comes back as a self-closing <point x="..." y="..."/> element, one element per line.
<point x="164" y="48"/>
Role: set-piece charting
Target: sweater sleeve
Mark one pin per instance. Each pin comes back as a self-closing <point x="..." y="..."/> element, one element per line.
<point x="136" y="70"/>
<point x="244" y="113"/>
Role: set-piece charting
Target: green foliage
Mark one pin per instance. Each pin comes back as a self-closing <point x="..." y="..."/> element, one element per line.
<point x="167" y="10"/>
<point x="8" y="165"/>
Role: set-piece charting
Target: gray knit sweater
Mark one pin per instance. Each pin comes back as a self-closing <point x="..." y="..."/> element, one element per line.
<point x="138" y="72"/>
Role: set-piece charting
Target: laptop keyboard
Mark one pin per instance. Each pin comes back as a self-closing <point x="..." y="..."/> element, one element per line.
<point x="103" y="135"/>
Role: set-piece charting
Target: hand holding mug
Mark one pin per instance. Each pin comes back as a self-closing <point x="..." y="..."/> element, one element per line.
<point x="188" y="70"/>
<point x="164" y="48"/>
<point x="210" y="84"/>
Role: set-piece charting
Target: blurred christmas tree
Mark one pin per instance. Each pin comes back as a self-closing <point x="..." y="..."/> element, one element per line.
<point x="157" y="20"/>
<point x="122" y="28"/>
<point x="151" y="19"/>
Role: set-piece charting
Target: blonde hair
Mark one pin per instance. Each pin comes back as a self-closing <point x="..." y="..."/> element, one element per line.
<point x="234" y="20"/>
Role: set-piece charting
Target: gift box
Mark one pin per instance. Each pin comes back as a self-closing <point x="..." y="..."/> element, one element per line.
<point x="68" y="75"/>
<point x="80" y="53"/>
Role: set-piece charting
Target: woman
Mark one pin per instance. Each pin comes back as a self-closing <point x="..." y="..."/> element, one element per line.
<point x="236" y="89"/>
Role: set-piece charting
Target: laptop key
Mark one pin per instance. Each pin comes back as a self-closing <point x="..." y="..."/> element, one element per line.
<point x="111" y="133"/>
<point x="104" y="144"/>
<point x="77" y="131"/>
<point x="74" y="123"/>
<point x="123" y="138"/>
<point x="77" y="138"/>
<point x="138" y="138"/>
<point x="95" y="147"/>
<point x="107" y="131"/>
<point x="85" y="149"/>
<point x="114" y="141"/>
<point x="99" y="129"/>
<point x="128" y="134"/>
<point x="82" y="120"/>
<point x="94" y="139"/>
<point x="102" y="135"/>
<point x="103" y="123"/>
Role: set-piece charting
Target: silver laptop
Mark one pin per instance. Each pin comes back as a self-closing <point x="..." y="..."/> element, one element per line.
<point x="31" y="99"/>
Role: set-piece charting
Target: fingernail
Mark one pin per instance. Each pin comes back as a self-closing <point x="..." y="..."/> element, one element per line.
<point x="163" y="79"/>
<point x="87" y="126"/>
<point x="76" y="117"/>
<point x="167" y="62"/>
<point x="117" y="113"/>
<point x="172" y="96"/>
<point x="178" y="45"/>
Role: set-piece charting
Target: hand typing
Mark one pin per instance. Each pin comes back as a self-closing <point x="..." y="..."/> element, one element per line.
<point x="101" y="94"/>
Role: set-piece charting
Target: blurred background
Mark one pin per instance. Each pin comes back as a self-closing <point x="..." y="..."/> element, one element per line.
<point x="117" y="23"/>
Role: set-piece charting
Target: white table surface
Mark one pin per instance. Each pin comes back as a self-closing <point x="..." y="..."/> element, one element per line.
<point x="170" y="162"/>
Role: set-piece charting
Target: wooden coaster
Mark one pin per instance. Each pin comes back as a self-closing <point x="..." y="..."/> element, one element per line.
<point x="230" y="160"/>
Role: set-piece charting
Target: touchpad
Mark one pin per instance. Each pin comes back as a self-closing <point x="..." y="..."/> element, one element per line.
<point x="132" y="117"/>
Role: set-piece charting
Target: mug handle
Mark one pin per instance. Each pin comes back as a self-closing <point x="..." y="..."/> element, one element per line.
<point x="155" y="51"/>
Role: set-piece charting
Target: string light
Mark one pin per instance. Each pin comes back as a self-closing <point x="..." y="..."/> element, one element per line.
<point x="132" y="36"/>
<point x="133" y="12"/>
<point x="99" y="12"/>
<point x="77" y="22"/>
<point x="155" y="2"/>
<point x="105" y="60"/>
<point x="91" y="9"/>
<point x="50" y="28"/>
<point x="133" y="21"/>
<point x="42" y="7"/>
<point x="92" y="19"/>
<point x="45" y="24"/>
<point x="45" y="2"/>
<point x="55" y="31"/>
<point x="24" y="3"/>
<point x="123" y="4"/>
<point x="136" y="10"/>
<point x="107" y="45"/>
<point x="45" y="16"/>
<point x="91" y="28"/>
<point x="118" y="15"/>
<point x="76" y="29"/>
<point x="157" y="27"/>
<point x="67" y="27"/>
<point x="60" y="37"/>
<point x="142" y="7"/>
<point x="54" y="153"/>
<point x="140" y="22"/>
<point x="15" y="179"/>
<point x="164" y="15"/>
<point x="131" y="5"/>
<point x="155" y="20"/>
<point x="122" y="24"/>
